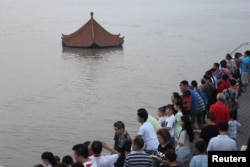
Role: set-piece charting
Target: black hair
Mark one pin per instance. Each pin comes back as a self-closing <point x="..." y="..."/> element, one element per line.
<point x="223" y="126"/>
<point x="206" y="77"/>
<point x="179" y="104"/>
<point x="194" y="83"/>
<point x="38" y="165"/>
<point x="247" y="52"/>
<point x="170" y="106"/>
<point x="119" y="125"/>
<point x="210" y="116"/>
<point x="232" y="82"/>
<point x="57" y="158"/>
<point x="170" y="154"/>
<point x="162" y="109"/>
<point x="87" y="143"/>
<point x="200" y="146"/>
<point x="81" y="150"/>
<point x="142" y="113"/>
<point x="188" y="127"/>
<point x="49" y="157"/>
<point x="237" y="55"/>
<point x="77" y="164"/>
<point x="139" y="142"/>
<point x="96" y="147"/>
<point x="228" y="55"/>
<point x="176" y="95"/>
<point x="67" y="159"/>
<point x="224" y="77"/>
<point x="61" y="165"/>
<point x="78" y="146"/>
<point x="217" y="65"/>
<point x="184" y="82"/>
<point x="203" y="81"/>
<point x="223" y="63"/>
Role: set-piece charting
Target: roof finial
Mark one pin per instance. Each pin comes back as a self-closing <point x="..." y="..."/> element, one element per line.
<point x="91" y="14"/>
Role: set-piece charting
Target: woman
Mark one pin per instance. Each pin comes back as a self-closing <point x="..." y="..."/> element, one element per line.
<point x="163" y="136"/>
<point x="48" y="159"/>
<point x="183" y="141"/>
<point x="174" y="98"/>
<point x="177" y="127"/>
<point x="200" y="160"/>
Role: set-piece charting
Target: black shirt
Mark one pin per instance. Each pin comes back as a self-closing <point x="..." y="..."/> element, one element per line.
<point x="208" y="132"/>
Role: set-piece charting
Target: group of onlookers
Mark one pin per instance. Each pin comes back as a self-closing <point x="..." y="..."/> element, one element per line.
<point x="208" y="109"/>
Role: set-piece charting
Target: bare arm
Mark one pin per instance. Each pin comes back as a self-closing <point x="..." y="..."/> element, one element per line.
<point x="111" y="150"/>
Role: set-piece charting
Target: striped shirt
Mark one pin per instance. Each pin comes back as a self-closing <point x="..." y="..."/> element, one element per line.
<point x="138" y="159"/>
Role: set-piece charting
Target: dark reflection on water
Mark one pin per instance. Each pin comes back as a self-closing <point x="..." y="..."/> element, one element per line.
<point x="91" y="52"/>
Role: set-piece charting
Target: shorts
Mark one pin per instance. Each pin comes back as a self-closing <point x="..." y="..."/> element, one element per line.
<point x="200" y="117"/>
<point x="244" y="77"/>
<point x="193" y="114"/>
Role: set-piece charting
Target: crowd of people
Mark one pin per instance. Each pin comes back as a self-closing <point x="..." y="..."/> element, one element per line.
<point x="207" y="109"/>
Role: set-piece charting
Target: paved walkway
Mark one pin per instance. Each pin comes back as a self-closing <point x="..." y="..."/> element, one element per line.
<point x="244" y="119"/>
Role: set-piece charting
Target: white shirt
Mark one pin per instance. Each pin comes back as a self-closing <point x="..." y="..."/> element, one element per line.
<point x="232" y="130"/>
<point x="90" y="163"/>
<point x="146" y="130"/>
<point x="170" y="124"/>
<point x="221" y="143"/>
<point x="106" y="160"/>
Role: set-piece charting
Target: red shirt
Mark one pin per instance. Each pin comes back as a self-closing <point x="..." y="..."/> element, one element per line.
<point x="220" y="111"/>
<point x="223" y="85"/>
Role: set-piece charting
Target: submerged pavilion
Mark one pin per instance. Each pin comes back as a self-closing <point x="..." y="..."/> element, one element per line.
<point x="92" y="35"/>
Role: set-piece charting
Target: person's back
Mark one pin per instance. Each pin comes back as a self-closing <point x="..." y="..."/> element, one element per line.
<point x="149" y="135"/>
<point x="210" y="130"/>
<point x="233" y="126"/>
<point x="138" y="158"/>
<point x="146" y="131"/>
<point x="222" y="142"/>
<point x="103" y="160"/>
<point x="220" y="110"/>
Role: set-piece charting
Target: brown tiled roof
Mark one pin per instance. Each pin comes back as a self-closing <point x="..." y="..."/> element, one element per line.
<point x="92" y="34"/>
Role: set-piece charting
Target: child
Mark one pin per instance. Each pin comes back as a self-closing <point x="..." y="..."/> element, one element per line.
<point x="170" y="120"/>
<point x="161" y="116"/>
<point x="233" y="125"/>
<point x="178" y="115"/>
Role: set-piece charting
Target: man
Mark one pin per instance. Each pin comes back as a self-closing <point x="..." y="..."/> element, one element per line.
<point x="146" y="131"/>
<point x="245" y="68"/>
<point x="81" y="155"/>
<point x="122" y="142"/>
<point x="103" y="160"/>
<point x="218" y="72"/>
<point x="220" y="110"/>
<point x="210" y="130"/>
<point x="138" y="157"/>
<point x="222" y="142"/>
<point x="201" y="106"/>
<point x="189" y="102"/>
